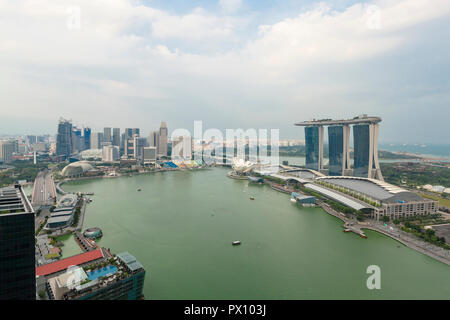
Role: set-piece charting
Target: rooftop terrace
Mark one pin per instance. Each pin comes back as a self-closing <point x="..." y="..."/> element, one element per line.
<point x="13" y="200"/>
<point x="330" y="122"/>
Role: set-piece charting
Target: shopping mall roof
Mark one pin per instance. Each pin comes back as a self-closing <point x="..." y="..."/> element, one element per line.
<point x="373" y="188"/>
<point x="337" y="197"/>
<point x="63" y="264"/>
<point x="59" y="219"/>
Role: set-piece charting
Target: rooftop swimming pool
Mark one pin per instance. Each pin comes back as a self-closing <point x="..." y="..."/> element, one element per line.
<point x="102" y="272"/>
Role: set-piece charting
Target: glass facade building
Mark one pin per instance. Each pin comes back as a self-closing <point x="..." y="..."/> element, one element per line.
<point x="17" y="256"/>
<point x="361" y="141"/>
<point x="64" y="139"/>
<point x="116" y="137"/>
<point x="87" y="138"/>
<point x="312" y="143"/>
<point x="335" y="150"/>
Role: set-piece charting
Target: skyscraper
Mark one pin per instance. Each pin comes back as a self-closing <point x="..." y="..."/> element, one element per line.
<point x="116" y="137"/>
<point x="87" y="138"/>
<point x="314" y="147"/>
<point x="163" y="134"/>
<point x="338" y="150"/>
<point x="96" y="140"/>
<point x="77" y="141"/>
<point x="365" y="133"/>
<point x="128" y="143"/>
<point x="365" y="139"/>
<point x="153" y="140"/>
<point x="149" y="155"/>
<point x="64" y="138"/>
<point x="6" y="151"/>
<point x="138" y="146"/>
<point x="110" y="153"/>
<point x="17" y="256"/>
<point x="107" y="135"/>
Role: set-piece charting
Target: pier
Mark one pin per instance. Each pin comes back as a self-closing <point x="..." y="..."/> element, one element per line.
<point x="85" y="244"/>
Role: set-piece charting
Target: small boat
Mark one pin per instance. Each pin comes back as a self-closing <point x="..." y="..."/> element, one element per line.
<point x="252" y="198"/>
<point x="293" y="200"/>
<point x="362" y="235"/>
<point x="138" y="189"/>
<point x="347" y="230"/>
<point x="236" y="243"/>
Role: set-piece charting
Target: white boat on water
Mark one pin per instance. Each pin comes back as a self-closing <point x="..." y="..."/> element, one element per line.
<point x="236" y="243"/>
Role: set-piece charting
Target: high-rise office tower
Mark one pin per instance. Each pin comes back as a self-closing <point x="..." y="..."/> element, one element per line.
<point x="153" y="139"/>
<point x="64" y="138"/>
<point x="107" y="135"/>
<point x="110" y="153"/>
<point x="338" y="149"/>
<point x="6" y="151"/>
<point x="116" y="137"/>
<point x="149" y="155"/>
<point x="17" y="255"/>
<point x="128" y="144"/>
<point x="314" y="147"/>
<point x="77" y="140"/>
<point x="122" y="144"/>
<point x="96" y="140"/>
<point x="87" y="138"/>
<point x="163" y="134"/>
<point x="138" y="145"/>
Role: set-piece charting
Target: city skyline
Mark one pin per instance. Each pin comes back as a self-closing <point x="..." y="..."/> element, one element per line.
<point x="270" y="59"/>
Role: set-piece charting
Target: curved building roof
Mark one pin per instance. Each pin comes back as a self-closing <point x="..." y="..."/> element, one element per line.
<point x="76" y="168"/>
<point x="373" y="188"/>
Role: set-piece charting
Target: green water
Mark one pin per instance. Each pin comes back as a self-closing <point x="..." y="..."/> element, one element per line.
<point x="70" y="247"/>
<point x="181" y="225"/>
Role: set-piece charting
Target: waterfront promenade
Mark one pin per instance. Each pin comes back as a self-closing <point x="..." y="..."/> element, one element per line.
<point x="393" y="232"/>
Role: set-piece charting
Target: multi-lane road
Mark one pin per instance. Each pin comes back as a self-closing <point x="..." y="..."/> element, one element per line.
<point x="44" y="191"/>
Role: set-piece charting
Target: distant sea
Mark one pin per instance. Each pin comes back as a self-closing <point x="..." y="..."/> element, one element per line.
<point x="434" y="150"/>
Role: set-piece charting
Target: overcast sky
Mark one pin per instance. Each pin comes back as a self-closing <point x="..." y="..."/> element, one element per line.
<point x="231" y="63"/>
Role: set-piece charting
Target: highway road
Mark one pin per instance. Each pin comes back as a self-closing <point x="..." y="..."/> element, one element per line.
<point x="44" y="189"/>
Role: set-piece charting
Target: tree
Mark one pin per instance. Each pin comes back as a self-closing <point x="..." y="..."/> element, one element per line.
<point x="385" y="219"/>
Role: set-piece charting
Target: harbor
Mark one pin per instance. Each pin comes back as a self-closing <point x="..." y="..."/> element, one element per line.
<point x="278" y="239"/>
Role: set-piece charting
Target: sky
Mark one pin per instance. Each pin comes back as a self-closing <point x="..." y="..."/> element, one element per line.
<point x="262" y="64"/>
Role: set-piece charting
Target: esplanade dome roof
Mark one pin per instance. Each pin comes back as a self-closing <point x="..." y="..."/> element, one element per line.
<point x="76" y="168"/>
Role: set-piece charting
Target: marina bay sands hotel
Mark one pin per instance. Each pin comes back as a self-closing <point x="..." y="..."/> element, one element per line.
<point x="365" y="140"/>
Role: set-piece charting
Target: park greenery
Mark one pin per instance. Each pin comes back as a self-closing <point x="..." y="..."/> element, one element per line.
<point x="427" y="235"/>
<point x="22" y="170"/>
<point x="416" y="174"/>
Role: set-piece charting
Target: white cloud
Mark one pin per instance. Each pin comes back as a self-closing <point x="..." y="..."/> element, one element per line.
<point x="128" y="56"/>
